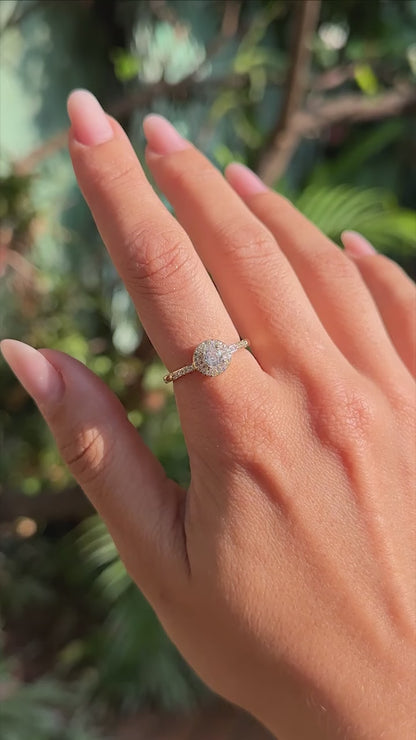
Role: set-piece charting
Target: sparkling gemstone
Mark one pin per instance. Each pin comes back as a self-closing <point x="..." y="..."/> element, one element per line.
<point x="212" y="357"/>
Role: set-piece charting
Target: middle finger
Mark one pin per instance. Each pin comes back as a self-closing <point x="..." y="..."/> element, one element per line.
<point x="256" y="281"/>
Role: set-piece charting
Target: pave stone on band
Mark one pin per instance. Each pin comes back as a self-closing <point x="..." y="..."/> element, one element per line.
<point x="211" y="357"/>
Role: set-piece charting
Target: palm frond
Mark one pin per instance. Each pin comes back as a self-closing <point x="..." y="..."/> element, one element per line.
<point x="373" y="212"/>
<point x="136" y="661"/>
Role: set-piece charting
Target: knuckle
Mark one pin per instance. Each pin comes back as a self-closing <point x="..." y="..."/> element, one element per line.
<point x="158" y="262"/>
<point x="246" y="240"/>
<point x="246" y="416"/>
<point x="328" y="264"/>
<point x="189" y="171"/>
<point x="392" y="277"/>
<point x="112" y="175"/>
<point x="387" y="269"/>
<point x="86" y="454"/>
<point x="345" y="416"/>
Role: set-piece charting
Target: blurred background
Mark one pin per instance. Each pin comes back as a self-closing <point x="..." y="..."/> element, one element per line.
<point x="318" y="98"/>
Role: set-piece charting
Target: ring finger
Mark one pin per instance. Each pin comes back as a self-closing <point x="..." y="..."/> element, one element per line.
<point x="331" y="281"/>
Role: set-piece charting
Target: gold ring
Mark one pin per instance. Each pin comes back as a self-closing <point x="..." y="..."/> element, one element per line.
<point x="211" y="357"/>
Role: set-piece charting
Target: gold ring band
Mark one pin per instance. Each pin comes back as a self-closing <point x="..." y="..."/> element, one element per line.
<point x="211" y="357"/>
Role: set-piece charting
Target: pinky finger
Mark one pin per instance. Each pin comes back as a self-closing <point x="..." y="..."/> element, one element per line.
<point x="393" y="292"/>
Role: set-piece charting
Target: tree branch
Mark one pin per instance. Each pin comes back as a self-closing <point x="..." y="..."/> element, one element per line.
<point x="354" y="107"/>
<point x="229" y="28"/>
<point x="126" y="105"/>
<point x="279" y="148"/>
<point x="321" y="113"/>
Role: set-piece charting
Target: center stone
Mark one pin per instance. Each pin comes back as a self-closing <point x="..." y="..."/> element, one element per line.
<point x="214" y="356"/>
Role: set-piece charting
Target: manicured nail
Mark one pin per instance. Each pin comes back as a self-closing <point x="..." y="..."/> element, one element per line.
<point x="41" y="380"/>
<point x="244" y="181"/>
<point x="162" y="137"/>
<point x="356" y="245"/>
<point x="89" y="122"/>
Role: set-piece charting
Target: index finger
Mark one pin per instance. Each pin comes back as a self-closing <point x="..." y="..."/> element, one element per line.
<point x="175" y="297"/>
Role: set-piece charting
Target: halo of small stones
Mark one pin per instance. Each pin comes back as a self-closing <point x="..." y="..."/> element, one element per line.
<point x="224" y="355"/>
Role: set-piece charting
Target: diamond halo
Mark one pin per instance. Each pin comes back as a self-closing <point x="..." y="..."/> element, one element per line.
<point x="211" y="357"/>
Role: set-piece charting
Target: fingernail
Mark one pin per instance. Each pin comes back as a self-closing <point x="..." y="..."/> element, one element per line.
<point x="244" y="181"/>
<point x="356" y="245"/>
<point x="41" y="380"/>
<point x="89" y="122"/>
<point x="162" y="137"/>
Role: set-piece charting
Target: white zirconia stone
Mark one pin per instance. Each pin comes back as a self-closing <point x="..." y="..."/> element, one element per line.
<point x="212" y="357"/>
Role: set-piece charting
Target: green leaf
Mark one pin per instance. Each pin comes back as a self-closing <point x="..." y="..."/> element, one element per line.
<point x="366" y="79"/>
<point x="126" y="65"/>
<point x="373" y="212"/>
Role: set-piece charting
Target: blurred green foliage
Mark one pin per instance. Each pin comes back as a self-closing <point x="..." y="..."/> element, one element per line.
<point x="218" y="71"/>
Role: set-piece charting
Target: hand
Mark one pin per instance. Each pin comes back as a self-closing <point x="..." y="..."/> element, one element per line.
<point x="285" y="574"/>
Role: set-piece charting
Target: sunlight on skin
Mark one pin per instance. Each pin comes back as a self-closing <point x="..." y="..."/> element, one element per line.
<point x="285" y="574"/>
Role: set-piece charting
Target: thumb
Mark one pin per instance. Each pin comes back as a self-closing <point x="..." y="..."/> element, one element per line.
<point x="118" y="473"/>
